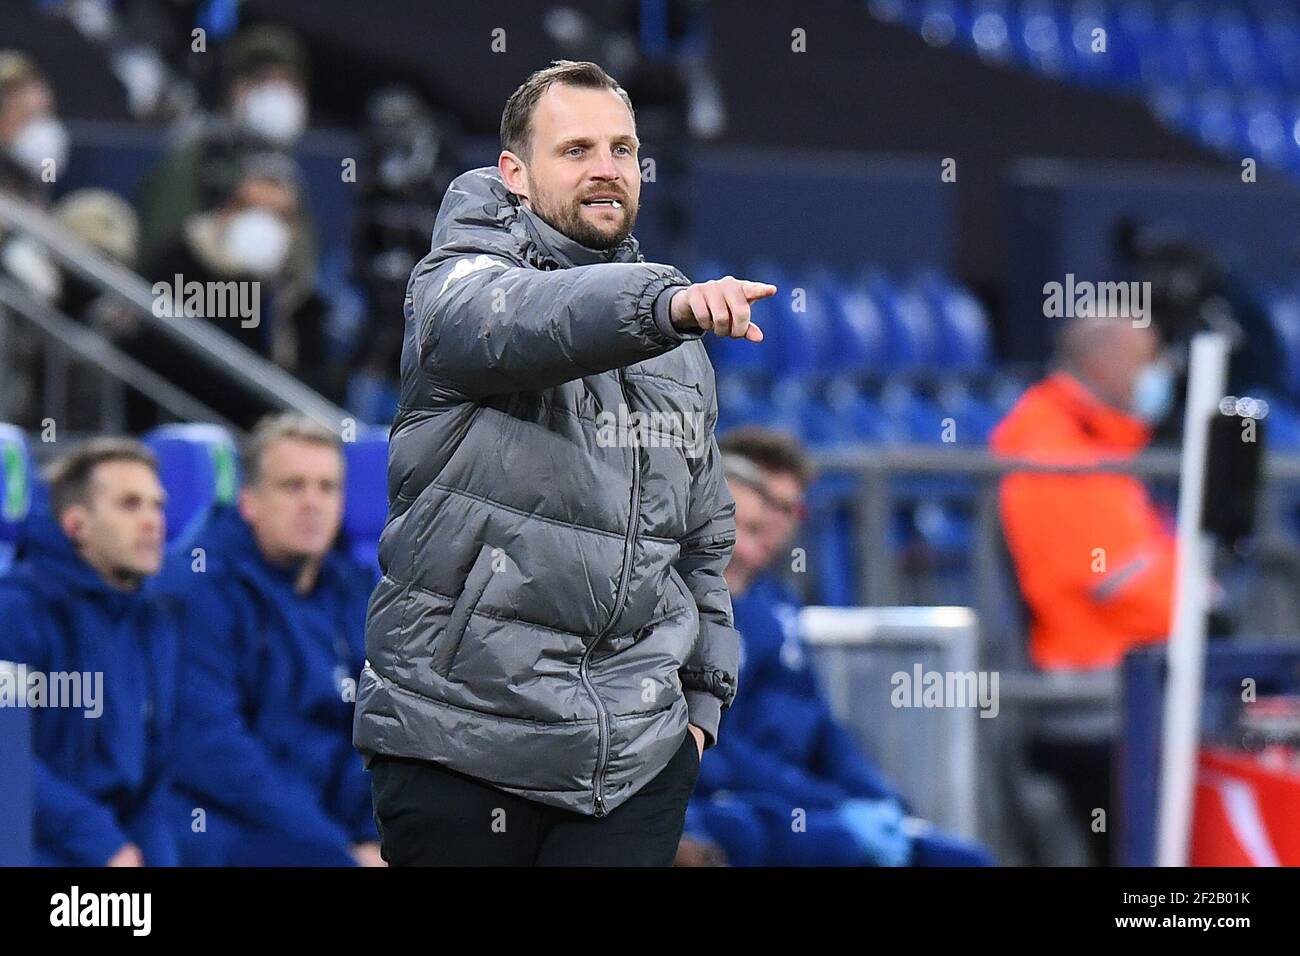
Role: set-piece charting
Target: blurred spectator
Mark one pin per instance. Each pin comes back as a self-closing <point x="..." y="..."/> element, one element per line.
<point x="265" y="108"/>
<point x="33" y="142"/>
<point x="1093" y="556"/>
<point x="134" y="39"/>
<point x="784" y="749"/>
<point x="677" y="95"/>
<point x="411" y="158"/>
<point x="106" y="222"/>
<point x="249" y="235"/>
<point x="33" y="152"/>
<point x="247" y="239"/>
<point x="274" y="644"/>
<point x="786" y="473"/>
<point x="74" y="612"/>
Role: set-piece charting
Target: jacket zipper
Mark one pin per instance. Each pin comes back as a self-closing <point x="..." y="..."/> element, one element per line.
<point x="628" y="547"/>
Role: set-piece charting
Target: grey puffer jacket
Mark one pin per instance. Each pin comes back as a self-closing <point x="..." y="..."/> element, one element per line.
<point x="552" y="610"/>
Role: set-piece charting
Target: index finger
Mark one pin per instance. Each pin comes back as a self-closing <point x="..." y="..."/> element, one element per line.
<point x="757" y="290"/>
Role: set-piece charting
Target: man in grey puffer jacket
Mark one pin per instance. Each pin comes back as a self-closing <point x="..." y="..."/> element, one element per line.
<point x="552" y="616"/>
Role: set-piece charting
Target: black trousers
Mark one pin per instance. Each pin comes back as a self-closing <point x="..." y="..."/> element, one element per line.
<point x="428" y="815"/>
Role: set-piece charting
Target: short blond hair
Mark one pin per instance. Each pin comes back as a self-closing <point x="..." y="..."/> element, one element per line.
<point x="517" y="117"/>
<point x="275" y="428"/>
<point x="17" y="69"/>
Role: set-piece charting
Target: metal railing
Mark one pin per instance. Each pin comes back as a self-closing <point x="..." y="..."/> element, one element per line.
<point x="67" y="339"/>
<point x="883" y="475"/>
<point x="227" y="357"/>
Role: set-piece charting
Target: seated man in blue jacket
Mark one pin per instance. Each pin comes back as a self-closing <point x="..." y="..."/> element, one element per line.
<point x="96" y="658"/>
<point x="787" y="784"/>
<point x="273" y="646"/>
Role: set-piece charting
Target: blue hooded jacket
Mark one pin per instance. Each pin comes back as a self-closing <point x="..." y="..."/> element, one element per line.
<point x="781" y="736"/>
<point x="268" y="681"/>
<point x="100" y="782"/>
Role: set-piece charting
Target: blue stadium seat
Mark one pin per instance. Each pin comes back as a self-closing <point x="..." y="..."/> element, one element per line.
<point x="821" y="426"/>
<point x="913" y="332"/>
<point x="1236" y="55"/>
<point x="1264" y="129"/>
<point x="1279" y="37"/>
<point x="797" y="332"/>
<point x="1004" y="393"/>
<point x="943" y="528"/>
<point x="1283" y="427"/>
<point x="859" y="329"/>
<point x="1091" y="66"/>
<point x="1215" y="116"/>
<point x="963" y="342"/>
<point x="861" y="418"/>
<point x="365" y="502"/>
<point x="17" y="477"/>
<point x="1208" y="68"/>
<point x="992" y="28"/>
<point x="942" y="22"/>
<point x="913" y="413"/>
<point x="1190" y="40"/>
<point x="733" y="355"/>
<point x="973" y="417"/>
<point x="1042" y="38"/>
<point x="198" y="465"/>
<point x="741" y="402"/>
<point x="1283" y="310"/>
<point x="792" y="340"/>
<point x="791" y="399"/>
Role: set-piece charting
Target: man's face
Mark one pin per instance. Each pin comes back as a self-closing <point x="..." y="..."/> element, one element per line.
<point x="270" y="74"/>
<point x="23" y="104"/>
<point x="753" y="518"/>
<point x="582" y="175"/>
<point x="258" y="192"/>
<point x="119" y="529"/>
<point x="785" y="499"/>
<point x="1113" y="366"/>
<point x="297" y="504"/>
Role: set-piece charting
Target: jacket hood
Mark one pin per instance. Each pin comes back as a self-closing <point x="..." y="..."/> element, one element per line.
<point x="229" y="541"/>
<point x="479" y="200"/>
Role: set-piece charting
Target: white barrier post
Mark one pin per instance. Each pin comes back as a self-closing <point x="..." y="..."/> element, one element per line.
<point x="1186" y="653"/>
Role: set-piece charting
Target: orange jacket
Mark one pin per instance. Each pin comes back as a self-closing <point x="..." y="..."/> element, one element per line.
<point x="1095" y="562"/>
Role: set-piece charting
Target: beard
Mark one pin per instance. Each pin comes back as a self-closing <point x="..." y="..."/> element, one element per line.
<point x="565" y="217"/>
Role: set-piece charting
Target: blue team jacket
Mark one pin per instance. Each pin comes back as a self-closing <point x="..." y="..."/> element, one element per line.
<point x="779" y="735"/>
<point x="267" y="690"/>
<point x="100" y="782"/>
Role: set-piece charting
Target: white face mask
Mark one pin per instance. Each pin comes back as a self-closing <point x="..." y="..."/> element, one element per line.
<point x="42" y="139"/>
<point x="27" y="261"/>
<point x="1153" y="392"/>
<point x="256" y="241"/>
<point x="276" y="111"/>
